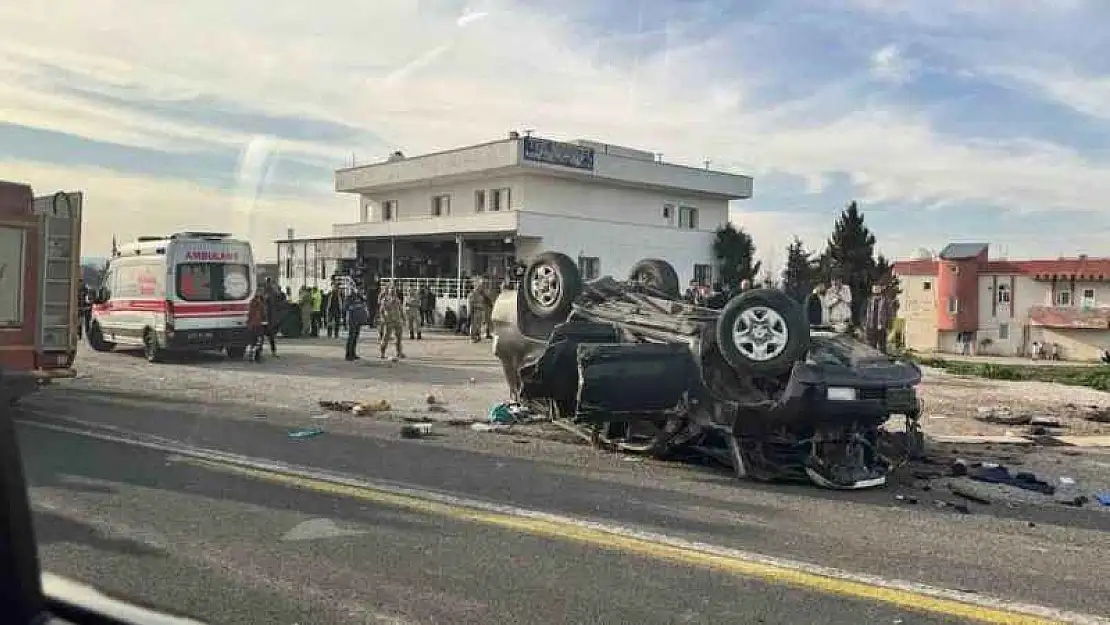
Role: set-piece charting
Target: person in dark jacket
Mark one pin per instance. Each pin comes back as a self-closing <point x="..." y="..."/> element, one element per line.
<point x="333" y="311"/>
<point x="815" y="307"/>
<point x="358" y="314"/>
<point x="273" y="300"/>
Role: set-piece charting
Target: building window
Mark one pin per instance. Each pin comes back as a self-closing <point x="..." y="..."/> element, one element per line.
<point x="1088" y="298"/>
<point x="389" y="210"/>
<point x="926" y="286"/>
<point x="953" y="305"/>
<point x="499" y="199"/>
<point x="1003" y="331"/>
<point x="589" y="267"/>
<point x="441" y="206"/>
<point x="688" y="217"/>
<point x="1003" y="294"/>
<point x="1063" y="298"/>
<point x="480" y="200"/>
<point x="668" y="214"/>
<point x="703" y="274"/>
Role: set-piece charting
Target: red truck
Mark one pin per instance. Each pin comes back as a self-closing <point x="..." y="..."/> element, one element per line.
<point x="40" y="267"/>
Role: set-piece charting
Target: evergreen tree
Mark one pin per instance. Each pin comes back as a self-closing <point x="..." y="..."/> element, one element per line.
<point x="801" y="271"/>
<point x="851" y="256"/>
<point x="735" y="253"/>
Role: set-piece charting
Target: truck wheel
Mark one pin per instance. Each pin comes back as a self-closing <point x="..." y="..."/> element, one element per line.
<point x="657" y="274"/>
<point x="551" y="283"/>
<point x="762" y="331"/>
<point x="96" y="339"/>
<point x="151" y="350"/>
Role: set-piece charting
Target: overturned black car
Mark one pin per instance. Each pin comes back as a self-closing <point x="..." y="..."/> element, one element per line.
<point x="754" y="385"/>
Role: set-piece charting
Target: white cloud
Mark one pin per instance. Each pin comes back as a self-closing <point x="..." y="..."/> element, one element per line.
<point x="424" y="76"/>
<point x="1089" y="95"/>
<point x="889" y="64"/>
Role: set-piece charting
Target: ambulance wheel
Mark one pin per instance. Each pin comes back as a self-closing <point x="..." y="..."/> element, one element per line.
<point x="96" y="339"/>
<point x="151" y="349"/>
<point x="236" y="352"/>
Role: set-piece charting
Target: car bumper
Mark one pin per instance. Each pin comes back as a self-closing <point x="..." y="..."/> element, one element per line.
<point x="195" y="340"/>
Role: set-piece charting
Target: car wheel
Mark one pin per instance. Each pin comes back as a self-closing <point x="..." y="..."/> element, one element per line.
<point x="236" y="352"/>
<point x="151" y="350"/>
<point x="762" y="331"/>
<point x="551" y="283"/>
<point x="96" y="338"/>
<point x="657" y="274"/>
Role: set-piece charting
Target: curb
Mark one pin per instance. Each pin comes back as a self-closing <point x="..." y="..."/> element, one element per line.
<point x="1044" y="441"/>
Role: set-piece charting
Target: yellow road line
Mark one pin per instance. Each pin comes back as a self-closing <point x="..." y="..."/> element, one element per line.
<point x="772" y="573"/>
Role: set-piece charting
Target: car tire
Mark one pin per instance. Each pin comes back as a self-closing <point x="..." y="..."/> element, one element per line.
<point x="657" y="274"/>
<point x="551" y="283"/>
<point x="236" y="352"/>
<point x="96" y="338"/>
<point x="762" y="331"/>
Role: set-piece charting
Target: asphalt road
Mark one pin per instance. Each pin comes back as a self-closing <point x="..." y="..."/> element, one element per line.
<point x="230" y="549"/>
<point x="146" y="524"/>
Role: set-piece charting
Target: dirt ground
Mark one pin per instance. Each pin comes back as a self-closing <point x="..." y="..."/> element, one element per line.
<point x="467" y="378"/>
<point x="954" y="403"/>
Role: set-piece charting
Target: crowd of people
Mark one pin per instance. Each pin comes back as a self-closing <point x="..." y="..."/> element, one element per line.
<point x="348" y="306"/>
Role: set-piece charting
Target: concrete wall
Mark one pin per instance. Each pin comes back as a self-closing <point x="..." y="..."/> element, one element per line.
<point x="918" y="306"/>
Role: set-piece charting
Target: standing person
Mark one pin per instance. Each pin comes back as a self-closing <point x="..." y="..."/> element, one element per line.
<point x="304" y="301"/>
<point x="274" y="307"/>
<point x="256" y="326"/>
<point x="877" y="319"/>
<point x="414" y="316"/>
<point x="84" y="309"/>
<point x="815" y="309"/>
<point x="357" y="315"/>
<point x="373" y="294"/>
<point x="838" y="305"/>
<point x="425" y="305"/>
<point x="391" y="318"/>
<point x="333" y="311"/>
<point x="478" y="303"/>
<point x="317" y="310"/>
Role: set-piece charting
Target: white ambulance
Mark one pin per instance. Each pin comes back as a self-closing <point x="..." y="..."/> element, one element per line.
<point x="185" y="292"/>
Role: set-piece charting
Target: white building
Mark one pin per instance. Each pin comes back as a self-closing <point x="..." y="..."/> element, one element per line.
<point x="479" y="209"/>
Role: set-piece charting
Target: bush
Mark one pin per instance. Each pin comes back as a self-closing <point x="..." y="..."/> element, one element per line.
<point x="1096" y="377"/>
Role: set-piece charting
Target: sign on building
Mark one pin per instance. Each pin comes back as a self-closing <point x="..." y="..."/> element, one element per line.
<point x="558" y="153"/>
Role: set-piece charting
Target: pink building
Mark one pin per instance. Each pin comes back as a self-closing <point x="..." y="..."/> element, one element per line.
<point x="1002" y="306"/>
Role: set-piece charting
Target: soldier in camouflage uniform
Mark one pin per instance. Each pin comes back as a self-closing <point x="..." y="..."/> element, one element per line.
<point x="479" y="304"/>
<point x="392" y="317"/>
<point x="413" y="316"/>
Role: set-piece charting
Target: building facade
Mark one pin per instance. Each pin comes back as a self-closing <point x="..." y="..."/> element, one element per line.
<point x="1001" y="307"/>
<point x="481" y="209"/>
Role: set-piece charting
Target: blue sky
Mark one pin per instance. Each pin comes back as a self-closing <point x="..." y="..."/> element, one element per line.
<point x="975" y="120"/>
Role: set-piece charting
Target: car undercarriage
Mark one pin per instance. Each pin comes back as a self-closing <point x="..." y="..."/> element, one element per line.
<point x="631" y="367"/>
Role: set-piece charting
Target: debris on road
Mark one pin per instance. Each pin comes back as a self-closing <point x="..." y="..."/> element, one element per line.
<point x="490" y="427"/>
<point x="1003" y="415"/>
<point x="436" y="408"/>
<point x="305" y="433"/>
<point x="430" y="399"/>
<point x="416" y="430"/>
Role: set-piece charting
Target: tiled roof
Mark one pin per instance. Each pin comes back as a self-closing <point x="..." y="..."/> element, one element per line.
<point x="920" y="267"/>
<point x="962" y="251"/>
<point x="1070" y="318"/>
